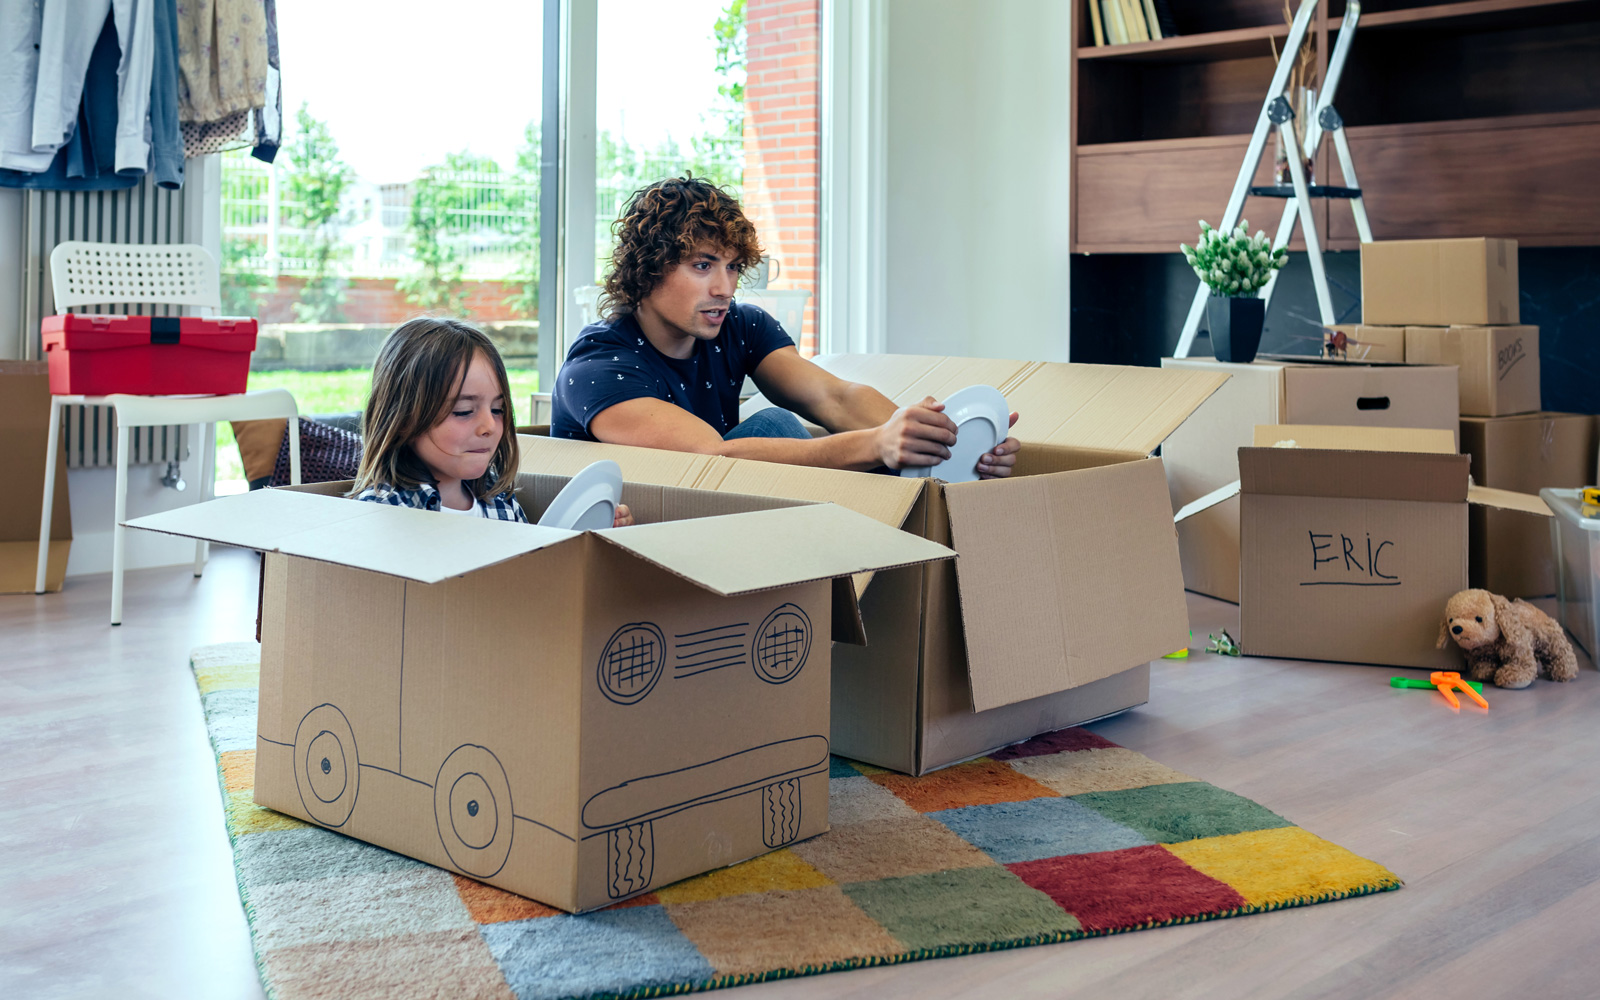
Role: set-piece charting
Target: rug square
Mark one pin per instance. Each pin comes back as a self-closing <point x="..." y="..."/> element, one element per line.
<point x="416" y="900"/>
<point x="838" y="767"/>
<point x="796" y="930"/>
<point x="1171" y="814"/>
<point x="231" y="719"/>
<point x="974" y="783"/>
<point x="858" y="799"/>
<point x="441" y="963"/>
<point x="310" y="853"/>
<point x="228" y="676"/>
<point x="1121" y="889"/>
<point x="487" y="904"/>
<point x="1038" y="828"/>
<point x="1106" y="769"/>
<point x="244" y="816"/>
<point x="888" y="848"/>
<point x="609" y="951"/>
<point x="238" y="770"/>
<point x="226" y="654"/>
<point x="1060" y="741"/>
<point x="778" y="870"/>
<point x="966" y="906"/>
<point x="1285" y="865"/>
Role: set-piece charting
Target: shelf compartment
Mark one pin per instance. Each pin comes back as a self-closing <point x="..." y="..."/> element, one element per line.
<point x="1209" y="47"/>
<point x="1484" y="14"/>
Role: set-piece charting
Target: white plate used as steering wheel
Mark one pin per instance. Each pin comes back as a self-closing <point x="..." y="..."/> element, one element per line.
<point x="982" y="420"/>
<point x="589" y="500"/>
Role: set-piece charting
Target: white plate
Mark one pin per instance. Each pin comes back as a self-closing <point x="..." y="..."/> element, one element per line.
<point x="982" y="420"/>
<point x="589" y="500"/>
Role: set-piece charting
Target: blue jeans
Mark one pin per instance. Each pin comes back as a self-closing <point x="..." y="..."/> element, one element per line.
<point x="772" y="422"/>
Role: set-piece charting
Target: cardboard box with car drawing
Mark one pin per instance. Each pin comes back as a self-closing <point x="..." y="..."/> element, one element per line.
<point x="1067" y="584"/>
<point x="578" y="717"/>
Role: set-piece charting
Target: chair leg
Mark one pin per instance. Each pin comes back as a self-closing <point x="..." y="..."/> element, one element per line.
<point x="207" y="485"/>
<point x="118" y="532"/>
<point x="293" y="430"/>
<point x="49" y="496"/>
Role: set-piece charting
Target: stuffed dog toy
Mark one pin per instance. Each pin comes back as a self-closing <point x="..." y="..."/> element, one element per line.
<point x="1508" y="642"/>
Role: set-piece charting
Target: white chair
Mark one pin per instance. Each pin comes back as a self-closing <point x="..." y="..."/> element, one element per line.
<point x="171" y="274"/>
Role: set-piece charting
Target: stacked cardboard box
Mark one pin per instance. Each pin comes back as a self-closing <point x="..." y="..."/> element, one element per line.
<point x="24" y="437"/>
<point x="1203" y="454"/>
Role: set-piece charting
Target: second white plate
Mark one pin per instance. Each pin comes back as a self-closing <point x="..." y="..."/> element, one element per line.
<point x="589" y="500"/>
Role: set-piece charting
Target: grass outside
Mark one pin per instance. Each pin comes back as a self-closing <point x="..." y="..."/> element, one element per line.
<point x="345" y="391"/>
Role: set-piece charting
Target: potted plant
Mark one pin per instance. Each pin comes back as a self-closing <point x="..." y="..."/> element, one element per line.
<point x="1235" y="266"/>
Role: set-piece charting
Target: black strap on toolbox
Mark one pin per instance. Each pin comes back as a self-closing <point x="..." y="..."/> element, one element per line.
<point x="164" y="329"/>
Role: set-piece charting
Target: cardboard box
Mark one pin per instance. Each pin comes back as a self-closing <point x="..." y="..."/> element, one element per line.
<point x="1203" y="454"/>
<point x="1366" y="343"/>
<point x="1351" y="555"/>
<point x="1067" y="584"/>
<point x="1499" y="364"/>
<point x="1510" y="551"/>
<point x="576" y="717"/>
<point x="1439" y="282"/>
<point x="24" y="438"/>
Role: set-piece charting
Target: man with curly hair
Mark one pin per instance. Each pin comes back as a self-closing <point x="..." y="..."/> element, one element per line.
<point x="664" y="367"/>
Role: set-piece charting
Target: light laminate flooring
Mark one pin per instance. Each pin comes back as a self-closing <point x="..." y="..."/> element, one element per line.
<point x="115" y="876"/>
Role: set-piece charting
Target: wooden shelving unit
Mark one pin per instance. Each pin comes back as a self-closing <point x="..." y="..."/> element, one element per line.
<point x="1468" y="118"/>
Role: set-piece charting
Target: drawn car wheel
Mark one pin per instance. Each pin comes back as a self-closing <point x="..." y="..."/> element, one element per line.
<point x="630" y="859"/>
<point x="327" y="769"/>
<point x="472" y="806"/>
<point x="780" y="812"/>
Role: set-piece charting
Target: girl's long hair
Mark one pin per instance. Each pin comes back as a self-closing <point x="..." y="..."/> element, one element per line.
<point x="418" y="374"/>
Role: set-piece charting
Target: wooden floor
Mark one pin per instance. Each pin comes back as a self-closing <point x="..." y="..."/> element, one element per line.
<point x="115" y="876"/>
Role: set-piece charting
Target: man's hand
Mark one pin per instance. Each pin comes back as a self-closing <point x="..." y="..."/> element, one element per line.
<point x="916" y="436"/>
<point x="998" y="462"/>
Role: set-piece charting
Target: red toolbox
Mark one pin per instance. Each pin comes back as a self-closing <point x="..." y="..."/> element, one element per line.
<point x="96" y="355"/>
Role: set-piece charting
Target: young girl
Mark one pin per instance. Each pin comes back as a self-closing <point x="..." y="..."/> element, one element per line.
<point x="438" y="425"/>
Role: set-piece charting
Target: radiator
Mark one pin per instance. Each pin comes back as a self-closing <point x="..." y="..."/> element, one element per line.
<point x="143" y="214"/>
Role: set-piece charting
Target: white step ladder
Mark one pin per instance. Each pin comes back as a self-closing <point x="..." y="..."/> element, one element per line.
<point x="1276" y="112"/>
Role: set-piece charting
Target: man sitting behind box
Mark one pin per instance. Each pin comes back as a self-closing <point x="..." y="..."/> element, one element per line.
<point x="663" y="369"/>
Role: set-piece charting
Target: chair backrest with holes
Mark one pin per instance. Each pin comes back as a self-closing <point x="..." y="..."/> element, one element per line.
<point x="85" y="274"/>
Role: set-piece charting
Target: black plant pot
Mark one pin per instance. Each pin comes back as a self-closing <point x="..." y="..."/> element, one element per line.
<point x="1235" y="325"/>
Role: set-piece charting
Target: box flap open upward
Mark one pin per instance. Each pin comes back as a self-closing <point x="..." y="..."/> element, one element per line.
<point x="1414" y="439"/>
<point x="760" y="550"/>
<point x="413" y="544"/>
<point x="558" y="457"/>
<point x="1126" y="410"/>
<point x="1105" y="592"/>
<point x="1527" y="503"/>
<point x="1374" y="475"/>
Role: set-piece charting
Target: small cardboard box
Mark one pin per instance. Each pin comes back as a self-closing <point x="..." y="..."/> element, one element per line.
<point x="1365" y="343"/>
<point x="1510" y="551"/>
<point x="576" y="717"/>
<point x="1439" y="282"/>
<point x="1351" y="555"/>
<point x="1499" y="364"/>
<point x="24" y="438"/>
<point x="1203" y="454"/>
<point x="1067" y="584"/>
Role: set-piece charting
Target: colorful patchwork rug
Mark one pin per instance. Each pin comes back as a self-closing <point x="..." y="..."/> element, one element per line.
<point x="1065" y="836"/>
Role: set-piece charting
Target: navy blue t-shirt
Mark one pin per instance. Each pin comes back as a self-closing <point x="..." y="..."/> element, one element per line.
<point x="611" y="363"/>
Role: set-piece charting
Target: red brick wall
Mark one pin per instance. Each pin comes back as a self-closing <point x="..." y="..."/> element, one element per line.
<point x="782" y="140"/>
<point x="376" y="300"/>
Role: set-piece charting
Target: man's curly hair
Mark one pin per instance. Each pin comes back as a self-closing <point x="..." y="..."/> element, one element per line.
<point x="661" y="225"/>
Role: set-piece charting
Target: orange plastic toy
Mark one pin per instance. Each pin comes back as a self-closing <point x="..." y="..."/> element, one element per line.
<point x="1449" y="681"/>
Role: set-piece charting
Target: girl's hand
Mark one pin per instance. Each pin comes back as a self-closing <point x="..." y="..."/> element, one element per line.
<point x="623" y="518"/>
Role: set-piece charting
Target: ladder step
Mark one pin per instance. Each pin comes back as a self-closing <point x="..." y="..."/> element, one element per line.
<point x="1315" y="190"/>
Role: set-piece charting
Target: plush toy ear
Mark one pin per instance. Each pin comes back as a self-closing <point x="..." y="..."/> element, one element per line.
<point x="1444" y="633"/>
<point x="1512" y="631"/>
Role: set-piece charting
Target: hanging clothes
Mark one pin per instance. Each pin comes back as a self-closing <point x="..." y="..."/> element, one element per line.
<point x="166" y="137"/>
<point x="269" y="119"/>
<point x="88" y="161"/>
<point x="67" y="38"/>
<point x="222" y="57"/>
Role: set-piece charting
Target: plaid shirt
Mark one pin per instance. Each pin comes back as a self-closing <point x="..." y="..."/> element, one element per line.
<point x="426" y="497"/>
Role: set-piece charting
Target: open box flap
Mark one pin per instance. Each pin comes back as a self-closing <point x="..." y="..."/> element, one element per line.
<point x="557" y="457"/>
<point x="1527" y="503"/>
<point x="1327" y="438"/>
<point x="1104" y="589"/>
<point x="1373" y="475"/>
<point x="765" y="549"/>
<point x="418" y="545"/>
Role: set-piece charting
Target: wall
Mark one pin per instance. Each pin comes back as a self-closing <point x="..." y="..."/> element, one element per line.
<point x="977" y="222"/>
<point x="93" y="495"/>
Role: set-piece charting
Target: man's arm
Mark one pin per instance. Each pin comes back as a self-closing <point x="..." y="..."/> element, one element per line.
<point x="655" y="423"/>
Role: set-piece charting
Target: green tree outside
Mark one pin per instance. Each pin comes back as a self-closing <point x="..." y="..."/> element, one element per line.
<point x="314" y="186"/>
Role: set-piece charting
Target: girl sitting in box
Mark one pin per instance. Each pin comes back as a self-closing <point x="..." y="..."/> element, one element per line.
<point x="438" y="425"/>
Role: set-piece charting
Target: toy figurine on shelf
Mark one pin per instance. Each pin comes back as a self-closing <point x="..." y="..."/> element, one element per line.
<point x="1508" y="642"/>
